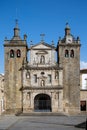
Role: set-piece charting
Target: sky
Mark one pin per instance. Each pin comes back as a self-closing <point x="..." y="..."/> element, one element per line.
<point x="44" y="16"/>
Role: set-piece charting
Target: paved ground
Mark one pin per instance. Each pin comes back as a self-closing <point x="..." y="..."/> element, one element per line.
<point x="41" y="122"/>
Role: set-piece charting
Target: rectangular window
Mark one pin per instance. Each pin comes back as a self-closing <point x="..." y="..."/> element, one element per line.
<point x="49" y="78"/>
<point x="35" y="78"/>
<point x="83" y="105"/>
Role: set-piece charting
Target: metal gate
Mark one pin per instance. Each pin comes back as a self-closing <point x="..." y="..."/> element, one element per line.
<point x="42" y="103"/>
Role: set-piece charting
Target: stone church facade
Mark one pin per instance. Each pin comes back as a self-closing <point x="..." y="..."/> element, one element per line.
<point x="49" y="81"/>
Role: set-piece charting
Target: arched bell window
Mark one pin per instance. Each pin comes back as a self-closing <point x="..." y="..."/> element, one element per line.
<point x="11" y="53"/>
<point x="18" y="53"/>
<point x="66" y="53"/>
<point x="72" y="53"/>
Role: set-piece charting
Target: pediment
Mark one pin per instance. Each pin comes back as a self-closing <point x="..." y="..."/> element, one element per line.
<point x="42" y="46"/>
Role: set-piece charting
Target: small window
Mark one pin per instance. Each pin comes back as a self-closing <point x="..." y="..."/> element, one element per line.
<point x="66" y="53"/>
<point x="83" y="105"/>
<point x="11" y="53"/>
<point x="72" y="53"/>
<point x="35" y="78"/>
<point x="18" y="53"/>
<point x="49" y="78"/>
<point x="42" y="73"/>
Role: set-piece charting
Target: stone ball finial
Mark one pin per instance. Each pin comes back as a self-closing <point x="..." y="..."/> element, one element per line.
<point x="25" y="36"/>
<point x="67" y="29"/>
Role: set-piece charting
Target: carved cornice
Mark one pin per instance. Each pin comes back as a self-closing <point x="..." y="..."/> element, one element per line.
<point x="73" y="44"/>
<point x="42" y="88"/>
<point x="56" y="67"/>
<point x="15" y="43"/>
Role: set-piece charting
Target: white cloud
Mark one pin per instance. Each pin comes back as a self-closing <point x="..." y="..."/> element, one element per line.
<point x="83" y="65"/>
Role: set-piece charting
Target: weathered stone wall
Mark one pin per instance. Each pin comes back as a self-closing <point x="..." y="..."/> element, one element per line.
<point x="13" y="76"/>
<point x="71" y="76"/>
<point x="2" y="97"/>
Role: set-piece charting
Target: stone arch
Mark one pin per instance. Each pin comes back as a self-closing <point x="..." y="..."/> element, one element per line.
<point x="42" y="102"/>
<point x="66" y="53"/>
<point x="11" y="53"/>
<point x="18" y="53"/>
<point x="72" y="53"/>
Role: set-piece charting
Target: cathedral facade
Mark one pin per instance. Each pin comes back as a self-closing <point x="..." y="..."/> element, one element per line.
<point x="49" y="81"/>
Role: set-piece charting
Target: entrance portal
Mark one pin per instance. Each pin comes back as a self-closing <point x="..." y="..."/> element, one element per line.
<point x="42" y="103"/>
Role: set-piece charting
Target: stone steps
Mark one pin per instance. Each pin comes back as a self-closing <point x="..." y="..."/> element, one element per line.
<point x="42" y="114"/>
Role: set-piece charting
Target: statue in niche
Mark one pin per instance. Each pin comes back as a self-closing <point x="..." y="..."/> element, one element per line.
<point x="34" y="61"/>
<point x="42" y="59"/>
<point x="42" y="83"/>
<point x="56" y="75"/>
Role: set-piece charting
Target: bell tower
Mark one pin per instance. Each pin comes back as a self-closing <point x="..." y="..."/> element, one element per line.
<point x="69" y="60"/>
<point x="15" y="52"/>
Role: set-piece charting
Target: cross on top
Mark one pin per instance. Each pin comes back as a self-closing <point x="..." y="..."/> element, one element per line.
<point x="67" y="24"/>
<point x="42" y="37"/>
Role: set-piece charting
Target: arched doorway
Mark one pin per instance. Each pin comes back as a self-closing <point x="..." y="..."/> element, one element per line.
<point x="42" y="103"/>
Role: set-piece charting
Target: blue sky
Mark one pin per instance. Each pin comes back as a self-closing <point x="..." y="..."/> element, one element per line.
<point x="43" y="16"/>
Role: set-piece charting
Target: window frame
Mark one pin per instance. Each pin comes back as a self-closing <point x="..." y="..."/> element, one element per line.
<point x="66" y="53"/>
<point x="35" y="78"/>
<point x="72" y="53"/>
<point x="12" y="53"/>
<point x="18" y="53"/>
<point x="83" y="105"/>
<point x="49" y="78"/>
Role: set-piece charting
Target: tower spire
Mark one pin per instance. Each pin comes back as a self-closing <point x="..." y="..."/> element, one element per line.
<point x="16" y="21"/>
<point x="16" y="29"/>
